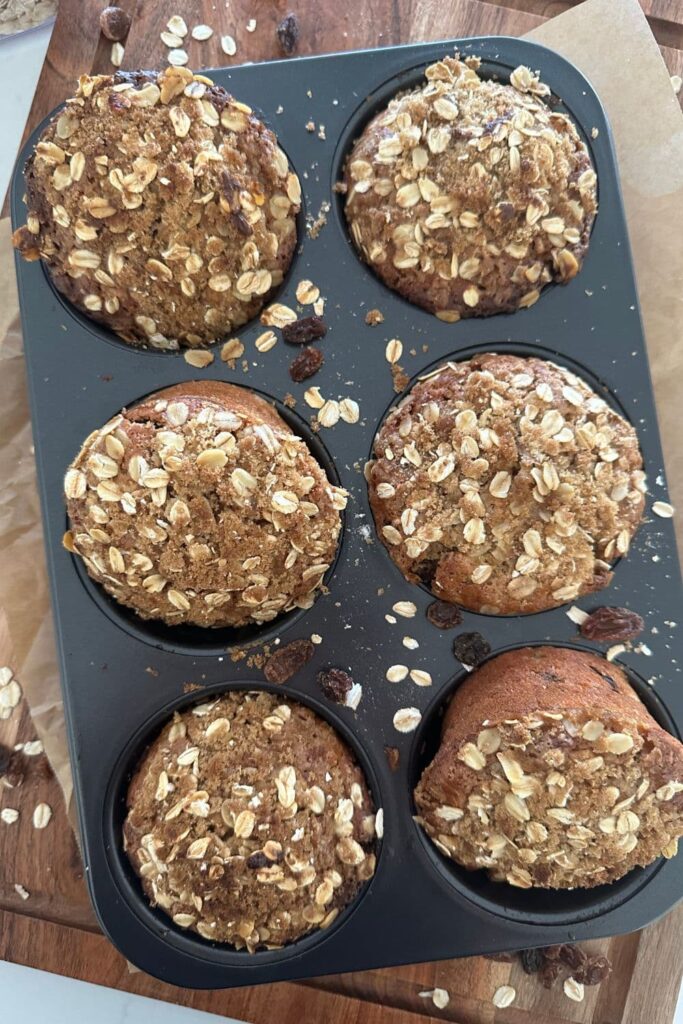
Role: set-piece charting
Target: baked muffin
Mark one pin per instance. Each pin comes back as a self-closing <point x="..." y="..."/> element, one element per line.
<point x="162" y="206"/>
<point x="468" y="195"/>
<point x="506" y="485"/>
<point x="250" y="822"/>
<point x="552" y="773"/>
<point x="199" y="505"/>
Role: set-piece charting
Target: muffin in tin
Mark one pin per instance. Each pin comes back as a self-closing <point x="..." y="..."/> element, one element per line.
<point x="551" y="773"/>
<point x="162" y="206"/>
<point x="468" y="195"/>
<point x="506" y="485"/>
<point x="250" y="822"/>
<point x="200" y="506"/>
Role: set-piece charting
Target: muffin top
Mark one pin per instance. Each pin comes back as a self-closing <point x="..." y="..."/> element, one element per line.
<point x="468" y="195"/>
<point x="506" y="485"/>
<point x="250" y="822"/>
<point x="552" y="773"/>
<point x="163" y="207"/>
<point x="200" y="506"/>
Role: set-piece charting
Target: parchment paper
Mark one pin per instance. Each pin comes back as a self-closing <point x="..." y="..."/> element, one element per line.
<point x="612" y="44"/>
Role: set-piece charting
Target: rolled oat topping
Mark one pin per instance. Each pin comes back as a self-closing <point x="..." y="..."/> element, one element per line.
<point x="201" y="506"/>
<point x="469" y="195"/>
<point x="551" y="773"/>
<point x="163" y="207"/>
<point x="505" y="484"/>
<point x="249" y="821"/>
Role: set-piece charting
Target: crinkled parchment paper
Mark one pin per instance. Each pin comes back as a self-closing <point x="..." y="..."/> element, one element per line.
<point x="612" y="44"/>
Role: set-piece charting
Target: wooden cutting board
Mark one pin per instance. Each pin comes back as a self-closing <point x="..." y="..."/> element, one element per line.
<point x="54" y="928"/>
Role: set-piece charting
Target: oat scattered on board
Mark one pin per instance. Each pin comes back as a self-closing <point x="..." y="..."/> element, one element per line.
<point x="19" y="889"/>
<point x="9" y="815"/>
<point x="41" y="815"/>
<point x="116" y="55"/>
<point x="266" y="341"/>
<point x="663" y="509"/>
<point x="251" y="25"/>
<point x="228" y="45"/>
<point x="178" y="58"/>
<point x="199" y="358"/>
<point x="573" y="990"/>
<point x="202" y="32"/>
<point x="439" y="996"/>
<point x="407" y="719"/>
<point x="177" y="25"/>
<point x="504" y="996"/>
<point x="171" y="40"/>
<point x="33" y="748"/>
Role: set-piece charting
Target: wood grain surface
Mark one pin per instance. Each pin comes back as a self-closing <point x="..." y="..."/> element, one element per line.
<point x="55" y="928"/>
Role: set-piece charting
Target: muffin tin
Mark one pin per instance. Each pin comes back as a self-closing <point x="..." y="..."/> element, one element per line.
<point x="123" y="677"/>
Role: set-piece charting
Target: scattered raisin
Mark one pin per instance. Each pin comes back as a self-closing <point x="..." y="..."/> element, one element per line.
<point x="287" y="661"/>
<point x="306" y="364"/>
<point x="532" y="960"/>
<point x="288" y="34"/>
<point x="444" y="615"/>
<point x="572" y="956"/>
<point x="335" y="684"/>
<point x="114" y="23"/>
<point x="258" y="860"/>
<point x="552" y="952"/>
<point x="393" y="756"/>
<point x="309" y="328"/>
<point x="610" y="624"/>
<point x="595" y="970"/>
<point x="471" y="649"/>
<point x="549" y="972"/>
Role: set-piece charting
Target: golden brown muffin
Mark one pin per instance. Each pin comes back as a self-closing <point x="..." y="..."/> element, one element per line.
<point x="468" y="195"/>
<point x="506" y="485"/>
<point x="552" y="773"/>
<point x="199" y="505"/>
<point x="250" y="822"/>
<point x="162" y="206"/>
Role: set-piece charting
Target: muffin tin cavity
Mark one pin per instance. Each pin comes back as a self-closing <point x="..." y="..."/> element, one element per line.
<point x="128" y="884"/>
<point x="123" y="676"/>
<point x="530" y="906"/>
<point x="197" y="640"/>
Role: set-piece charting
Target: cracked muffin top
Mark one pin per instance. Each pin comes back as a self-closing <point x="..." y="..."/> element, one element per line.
<point x="163" y="208"/>
<point x="468" y="195"/>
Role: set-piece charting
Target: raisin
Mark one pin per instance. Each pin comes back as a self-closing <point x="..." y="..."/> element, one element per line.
<point x="114" y="24"/>
<point x="595" y="970"/>
<point x="572" y="956"/>
<point x="549" y="972"/>
<point x="426" y="570"/>
<point x="288" y="34"/>
<point x="532" y="960"/>
<point x="306" y="364"/>
<point x="610" y="624"/>
<point x="309" y="328"/>
<point x="393" y="756"/>
<point x="335" y="684"/>
<point x="287" y="661"/>
<point x="258" y="860"/>
<point x="444" y="615"/>
<point x="471" y="649"/>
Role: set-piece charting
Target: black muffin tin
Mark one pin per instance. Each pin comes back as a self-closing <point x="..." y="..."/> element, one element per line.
<point x="123" y="677"/>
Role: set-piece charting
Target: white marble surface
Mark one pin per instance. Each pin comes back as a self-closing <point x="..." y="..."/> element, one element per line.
<point x="26" y="991"/>
<point x="34" y="997"/>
